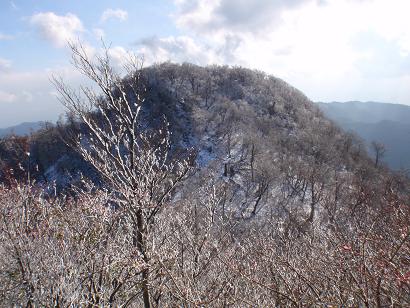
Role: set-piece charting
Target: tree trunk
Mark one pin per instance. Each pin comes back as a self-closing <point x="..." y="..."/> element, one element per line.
<point x="140" y="243"/>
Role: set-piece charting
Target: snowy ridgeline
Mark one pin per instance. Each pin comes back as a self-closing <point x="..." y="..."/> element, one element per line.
<point x="264" y="140"/>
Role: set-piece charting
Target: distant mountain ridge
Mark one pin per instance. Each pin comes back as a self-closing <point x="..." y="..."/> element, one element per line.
<point x="367" y="112"/>
<point x="373" y="121"/>
<point x="22" y="129"/>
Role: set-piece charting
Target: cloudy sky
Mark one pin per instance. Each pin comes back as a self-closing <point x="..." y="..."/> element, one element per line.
<point x="332" y="50"/>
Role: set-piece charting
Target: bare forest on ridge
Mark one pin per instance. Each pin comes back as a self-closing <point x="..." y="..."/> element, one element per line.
<point x="180" y="185"/>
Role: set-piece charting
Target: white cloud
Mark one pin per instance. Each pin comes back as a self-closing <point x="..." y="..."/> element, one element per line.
<point x="232" y="15"/>
<point x="6" y="97"/>
<point x="16" y="96"/>
<point x="25" y="95"/>
<point x="116" y="14"/>
<point x="99" y="33"/>
<point x="118" y="55"/>
<point x="57" y="29"/>
<point x="4" y="37"/>
<point x="179" y="49"/>
<point x="5" y="65"/>
<point x="310" y="43"/>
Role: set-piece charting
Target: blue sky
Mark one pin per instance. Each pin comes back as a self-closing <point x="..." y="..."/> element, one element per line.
<point x="332" y="50"/>
<point x="28" y="51"/>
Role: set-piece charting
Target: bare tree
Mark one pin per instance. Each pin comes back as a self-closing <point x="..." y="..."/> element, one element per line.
<point x="135" y="163"/>
<point x="379" y="151"/>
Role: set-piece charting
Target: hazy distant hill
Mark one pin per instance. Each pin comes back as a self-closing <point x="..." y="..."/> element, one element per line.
<point x="21" y="129"/>
<point x="386" y="123"/>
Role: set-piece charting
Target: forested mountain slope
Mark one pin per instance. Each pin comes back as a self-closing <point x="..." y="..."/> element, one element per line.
<point x="227" y="115"/>
<point x="279" y="207"/>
